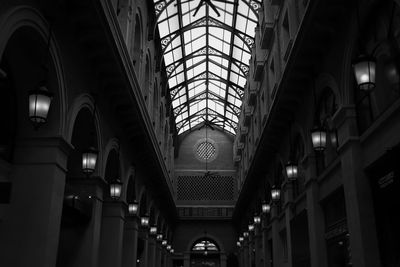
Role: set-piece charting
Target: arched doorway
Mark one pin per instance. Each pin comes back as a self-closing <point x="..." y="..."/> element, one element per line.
<point x="205" y="252"/>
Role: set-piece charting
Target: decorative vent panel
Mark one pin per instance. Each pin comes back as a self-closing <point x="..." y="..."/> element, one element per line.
<point x="205" y="212"/>
<point x="206" y="151"/>
<point x="200" y="187"/>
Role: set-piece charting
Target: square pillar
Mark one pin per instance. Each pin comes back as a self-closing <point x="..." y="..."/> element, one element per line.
<point x="86" y="249"/>
<point x="152" y="251"/>
<point x="276" y="244"/>
<point x="258" y="245"/>
<point x="246" y="252"/>
<point x="265" y="244"/>
<point x="112" y="231"/>
<point x="31" y="229"/>
<point x="358" y="197"/>
<point x="129" y="254"/>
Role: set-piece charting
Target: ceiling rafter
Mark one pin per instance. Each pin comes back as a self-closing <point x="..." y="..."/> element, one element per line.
<point x="206" y="59"/>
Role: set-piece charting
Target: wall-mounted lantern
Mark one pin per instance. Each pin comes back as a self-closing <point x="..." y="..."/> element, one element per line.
<point x="364" y="71"/>
<point x="115" y="189"/>
<point x="39" y="105"/>
<point x="318" y="138"/>
<point x="89" y="159"/>
<point x="133" y="208"/>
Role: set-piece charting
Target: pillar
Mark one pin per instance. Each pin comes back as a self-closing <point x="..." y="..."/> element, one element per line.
<point x="186" y="259"/>
<point x="129" y="254"/>
<point x="86" y="252"/>
<point x="31" y="230"/>
<point x="145" y="256"/>
<point x="152" y="251"/>
<point x="223" y="260"/>
<point x="158" y="254"/>
<point x="112" y="231"/>
<point x="258" y="245"/>
<point x="265" y="244"/>
<point x="357" y="191"/>
<point x="246" y="252"/>
<point x="315" y="216"/>
<point x="288" y="190"/>
<point x="276" y="244"/>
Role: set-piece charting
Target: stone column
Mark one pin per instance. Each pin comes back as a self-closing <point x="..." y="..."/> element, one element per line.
<point x="266" y="248"/>
<point x="152" y="251"/>
<point x="251" y="247"/>
<point x="223" y="260"/>
<point x="129" y="254"/>
<point x="276" y="243"/>
<point x="86" y="253"/>
<point x="145" y="256"/>
<point x="31" y="230"/>
<point x="158" y="254"/>
<point x="186" y="259"/>
<point x="112" y="232"/>
<point x="246" y="252"/>
<point x="288" y="190"/>
<point x="258" y="245"/>
<point x="357" y="191"/>
<point x="315" y="216"/>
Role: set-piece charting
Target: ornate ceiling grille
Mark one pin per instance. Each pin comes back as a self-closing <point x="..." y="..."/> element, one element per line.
<point x="207" y="46"/>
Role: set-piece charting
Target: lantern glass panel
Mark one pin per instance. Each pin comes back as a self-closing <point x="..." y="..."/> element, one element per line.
<point x="275" y="194"/>
<point x="153" y="230"/>
<point x="364" y="72"/>
<point x="133" y="208"/>
<point x="89" y="159"/>
<point x="144" y="221"/>
<point x="291" y="170"/>
<point x="266" y="208"/>
<point x="39" y="105"/>
<point x="318" y="137"/>
<point x="115" y="189"/>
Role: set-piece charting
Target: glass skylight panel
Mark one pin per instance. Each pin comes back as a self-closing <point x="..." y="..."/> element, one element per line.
<point x="215" y="65"/>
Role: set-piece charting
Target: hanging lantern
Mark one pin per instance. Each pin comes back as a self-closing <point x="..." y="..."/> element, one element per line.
<point x="318" y="137"/>
<point x="172" y="251"/>
<point x="39" y="105"/>
<point x="153" y="230"/>
<point x="89" y="159"/>
<point x="291" y="170"/>
<point x="246" y="234"/>
<point x="257" y="219"/>
<point x="241" y="239"/>
<point x="133" y="208"/>
<point x="364" y="72"/>
<point x="275" y="194"/>
<point x="159" y="237"/>
<point x="251" y="227"/>
<point x="164" y="243"/>
<point x="238" y="244"/>
<point x="266" y="208"/>
<point x="144" y="221"/>
<point x="169" y="247"/>
<point x="115" y="189"/>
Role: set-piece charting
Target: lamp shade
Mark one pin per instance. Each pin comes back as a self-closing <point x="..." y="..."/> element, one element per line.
<point x="39" y="105"/>
<point x="364" y="71"/>
<point x="133" y="208"/>
<point x="159" y="237"/>
<point x="318" y="138"/>
<point x="89" y="159"/>
<point x="266" y="208"/>
<point x="115" y="189"/>
<point x="144" y="221"/>
<point x="251" y="227"/>
<point x="275" y="194"/>
<point x="257" y="219"/>
<point x="291" y="170"/>
<point x="153" y="230"/>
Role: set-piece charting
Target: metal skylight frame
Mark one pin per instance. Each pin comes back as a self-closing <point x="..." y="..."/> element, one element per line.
<point x="206" y="58"/>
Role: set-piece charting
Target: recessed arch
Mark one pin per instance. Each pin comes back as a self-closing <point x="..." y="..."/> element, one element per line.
<point x="30" y="20"/>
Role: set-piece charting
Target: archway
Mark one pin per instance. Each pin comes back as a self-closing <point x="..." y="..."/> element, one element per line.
<point x="205" y="252"/>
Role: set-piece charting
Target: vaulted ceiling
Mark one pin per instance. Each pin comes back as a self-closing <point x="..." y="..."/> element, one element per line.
<point x="207" y="47"/>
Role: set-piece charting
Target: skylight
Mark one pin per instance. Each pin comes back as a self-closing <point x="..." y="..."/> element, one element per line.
<point x="207" y="46"/>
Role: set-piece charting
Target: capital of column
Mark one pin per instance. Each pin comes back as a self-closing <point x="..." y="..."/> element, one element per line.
<point x="114" y="209"/>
